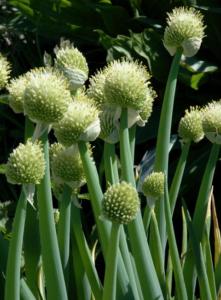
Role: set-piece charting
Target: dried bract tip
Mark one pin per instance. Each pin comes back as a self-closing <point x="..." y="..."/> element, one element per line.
<point x="190" y="126"/>
<point x="26" y="164"/>
<point x="121" y="203"/>
<point x="185" y="29"/>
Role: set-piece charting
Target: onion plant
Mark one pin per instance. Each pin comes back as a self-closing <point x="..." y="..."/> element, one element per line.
<point x="128" y="248"/>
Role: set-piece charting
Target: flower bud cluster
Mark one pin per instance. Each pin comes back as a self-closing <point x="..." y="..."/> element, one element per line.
<point x="212" y="122"/>
<point x="26" y="164"/>
<point x="121" y="203"/>
<point x="153" y="185"/>
<point x="185" y="29"/>
<point x="66" y="165"/>
<point x="190" y="126"/>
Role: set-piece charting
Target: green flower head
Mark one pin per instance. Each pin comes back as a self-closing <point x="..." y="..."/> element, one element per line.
<point x="71" y="62"/>
<point x="126" y="84"/>
<point x="190" y="126"/>
<point x="16" y="90"/>
<point x="46" y="97"/>
<point x="184" y="29"/>
<point x="153" y="185"/>
<point x="121" y="203"/>
<point x="212" y="122"/>
<point x="26" y="164"/>
<point x="80" y="122"/>
<point x="67" y="166"/>
<point x="4" y="71"/>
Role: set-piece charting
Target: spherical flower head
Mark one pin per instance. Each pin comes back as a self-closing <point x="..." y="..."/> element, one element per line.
<point x="16" y="89"/>
<point x="212" y="122"/>
<point x="190" y="127"/>
<point x="80" y="123"/>
<point x="185" y="29"/>
<point x="121" y="203"/>
<point x="26" y="164"/>
<point x="67" y="166"/>
<point x="96" y="87"/>
<point x="71" y="62"/>
<point x="147" y="107"/>
<point x="153" y="185"/>
<point x="126" y="84"/>
<point x="4" y="71"/>
<point x="46" y="97"/>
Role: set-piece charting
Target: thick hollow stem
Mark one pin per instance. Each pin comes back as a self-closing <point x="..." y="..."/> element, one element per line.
<point x="111" y="264"/>
<point x="179" y="279"/>
<point x="163" y="136"/>
<point x="54" y="276"/>
<point x="64" y="230"/>
<point x="147" y="275"/>
<point x="199" y="217"/>
<point x="12" y="285"/>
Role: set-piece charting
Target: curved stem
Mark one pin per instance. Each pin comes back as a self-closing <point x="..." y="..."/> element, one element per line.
<point x="163" y="136"/>
<point x="140" y="249"/>
<point x="177" y="178"/>
<point x="111" y="264"/>
<point x="85" y="254"/>
<point x="54" y="276"/>
<point x="199" y="217"/>
<point x="64" y="230"/>
<point x="178" y="273"/>
<point x="12" y="285"/>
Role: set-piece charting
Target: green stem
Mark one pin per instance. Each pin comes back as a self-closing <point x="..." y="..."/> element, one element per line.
<point x="82" y="285"/>
<point x="147" y="275"/>
<point x="103" y="227"/>
<point x="32" y="249"/>
<point x="54" y="276"/>
<point x="178" y="273"/>
<point x="177" y="178"/>
<point x="112" y="178"/>
<point x="64" y="230"/>
<point x="12" y="285"/>
<point x="199" y="217"/>
<point x="184" y="237"/>
<point x="111" y="264"/>
<point x="26" y="293"/>
<point x="85" y="254"/>
<point x="159" y="262"/>
<point x="132" y="138"/>
<point x="147" y="218"/>
<point x="109" y="158"/>
<point x="163" y="136"/>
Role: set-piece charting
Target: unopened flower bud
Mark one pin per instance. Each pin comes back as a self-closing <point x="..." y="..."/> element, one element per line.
<point x="67" y="166"/>
<point x="71" y="62"/>
<point x="121" y="203"/>
<point x="212" y="122"/>
<point x="185" y="29"/>
<point x="126" y="84"/>
<point x="46" y="96"/>
<point x="153" y="185"/>
<point x="4" y="71"/>
<point x="26" y="164"/>
<point x="16" y="90"/>
<point x="80" y="123"/>
<point x="190" y="126"/>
